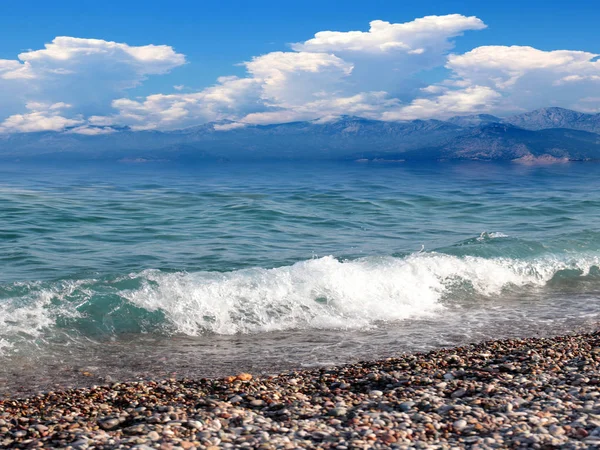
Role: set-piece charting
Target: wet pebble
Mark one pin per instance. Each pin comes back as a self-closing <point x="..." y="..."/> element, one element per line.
<point x="539" y="393"/>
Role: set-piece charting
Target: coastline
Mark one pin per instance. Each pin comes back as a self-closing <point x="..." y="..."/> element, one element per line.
<point x="516" y="393"/>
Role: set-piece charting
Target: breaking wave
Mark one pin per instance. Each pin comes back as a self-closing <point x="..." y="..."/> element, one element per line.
<point x="323" y="293"/>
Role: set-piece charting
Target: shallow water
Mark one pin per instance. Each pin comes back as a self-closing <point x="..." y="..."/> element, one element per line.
<point x="123" y="271"/>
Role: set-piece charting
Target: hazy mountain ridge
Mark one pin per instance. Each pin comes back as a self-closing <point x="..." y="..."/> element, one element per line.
<point x="545" y="118"/>
<point x="552" y="132"/>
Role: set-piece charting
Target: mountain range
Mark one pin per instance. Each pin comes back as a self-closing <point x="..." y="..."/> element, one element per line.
<point x="545" y="135"/>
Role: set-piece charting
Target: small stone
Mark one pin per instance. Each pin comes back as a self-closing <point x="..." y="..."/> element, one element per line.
<point x="375" y="393"/>
<point x="195" y="424"/>
<point x="109" y="424"/>
<point x="406" y="406"/>
<point x="459" y="425"/>
<point x="338" y="412"/>
<point x="459" y="393"/>
<point x="153" y="435"/>
<point x="319" y="435"/>
<point x="135" y="429"/>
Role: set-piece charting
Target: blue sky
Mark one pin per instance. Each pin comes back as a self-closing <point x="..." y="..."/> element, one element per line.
<point x="208" y="40"/>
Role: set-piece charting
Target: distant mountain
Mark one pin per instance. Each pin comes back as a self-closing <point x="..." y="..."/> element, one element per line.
<point x="507" y="142"/>
<point x="297" y="140"/>
<point x="474" y="120"/>
<point x="545" y="118"/>
<point x="548" y="132"/>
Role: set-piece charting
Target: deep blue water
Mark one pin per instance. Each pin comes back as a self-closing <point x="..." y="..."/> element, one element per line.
<point x="133" y="270"/>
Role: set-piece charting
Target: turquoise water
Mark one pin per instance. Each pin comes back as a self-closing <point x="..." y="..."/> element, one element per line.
<point x="139" y="270"/>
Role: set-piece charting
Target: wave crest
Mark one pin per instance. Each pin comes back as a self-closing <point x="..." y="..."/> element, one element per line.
<point x="318" y="293"/>
<point x="328" y="293"/>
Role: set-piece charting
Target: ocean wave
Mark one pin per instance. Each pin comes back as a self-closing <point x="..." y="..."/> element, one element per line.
<point x="321" y="293"/>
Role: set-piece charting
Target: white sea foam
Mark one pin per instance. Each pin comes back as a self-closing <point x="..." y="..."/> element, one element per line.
<point x="24" y="318"/>
<point x="327" y="293"/>
<point x="321" y="293"/>
<point x="494" y="235"/>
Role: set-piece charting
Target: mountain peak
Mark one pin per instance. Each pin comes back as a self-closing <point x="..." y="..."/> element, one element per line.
<point x="556" y="131"/>
<point x="555" y="117"/>
<point x="473" y="120"/>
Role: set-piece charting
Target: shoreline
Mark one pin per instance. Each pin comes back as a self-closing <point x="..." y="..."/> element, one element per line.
<point x="516" y="393"/>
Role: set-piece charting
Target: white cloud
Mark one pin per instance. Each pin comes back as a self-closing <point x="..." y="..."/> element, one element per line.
<point x="390" y="56"/>
<point x="335" y="73"/>
<point x="91" y="131"/>
<point x="65" y="55"/>
<point x="374" y="73"/>
<point x="230" y="98"/>
<point x="366" y="104"/>
<point x="528" y="78"/>
<point x="503" y="80"/>
<point x="87" y="73"/>
<point x="10" y="69"/>
<point x="276" y="81"/>
<point x="42" y="117"/>
<point x="474" y="99"/>
<point x="229" y="126"/>
<point x="416" y="37"/>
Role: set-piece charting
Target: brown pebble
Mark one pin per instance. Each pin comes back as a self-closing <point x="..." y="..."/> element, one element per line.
<point x="244" y="377"/>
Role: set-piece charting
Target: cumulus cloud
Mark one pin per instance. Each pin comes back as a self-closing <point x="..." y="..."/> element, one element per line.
<point x="366" y="104"/>
<point x="87" y="73"/>
<point x="279" y="81"/>
<point x="470" y="100"/>
<point x="231" y="97"/>
<point x="390" y="55"/>
<point x="41" y="117"/>
<point x="374" y="73"/>
<point x="416" y="37"/>
<point x="228" y="126"/>
<point x="91" y="131"/>
<point x="65" y="54"/>
<point x="525" y="78"/>
<point x="354" y="72"/>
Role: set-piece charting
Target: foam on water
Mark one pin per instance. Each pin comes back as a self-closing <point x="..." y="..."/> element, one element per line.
<point x="321" y="293"/>
<point x="29" y="309"/>
<point x="493" y="235"/>
<point x="327" y="293"/>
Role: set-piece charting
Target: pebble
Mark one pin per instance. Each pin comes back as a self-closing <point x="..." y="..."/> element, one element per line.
<point x="109" y="424"/>
<point x="459" y="393"/>
<point x="406" y="406"/>
<point x="459" y="425"/>
<point x="520" y="393"/>
<point x="337" y="412"/>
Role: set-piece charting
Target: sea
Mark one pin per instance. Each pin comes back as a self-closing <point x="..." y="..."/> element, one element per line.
<point x="116" y="271"/>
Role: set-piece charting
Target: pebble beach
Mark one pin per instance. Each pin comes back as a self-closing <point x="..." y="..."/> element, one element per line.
<point x="519" y="393"/>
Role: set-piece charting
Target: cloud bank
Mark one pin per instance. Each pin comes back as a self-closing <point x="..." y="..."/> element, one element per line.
<point x="82" y="84"/>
